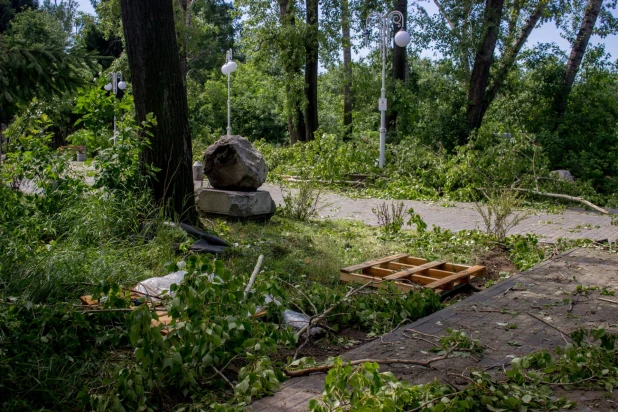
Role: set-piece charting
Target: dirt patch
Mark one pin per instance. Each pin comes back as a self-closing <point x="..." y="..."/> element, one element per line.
<point x="496" y="260"/>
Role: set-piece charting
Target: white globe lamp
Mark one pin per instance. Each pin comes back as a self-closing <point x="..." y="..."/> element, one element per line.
<point x="232" y="66"/>
<point x="108" y="87"/>
<point x="122" y="85"/>
<point x="225" y="69"/>
<point x="402" y="38"/>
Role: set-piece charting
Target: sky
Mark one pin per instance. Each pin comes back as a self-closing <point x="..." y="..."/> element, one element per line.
<point x="547" y="33"/>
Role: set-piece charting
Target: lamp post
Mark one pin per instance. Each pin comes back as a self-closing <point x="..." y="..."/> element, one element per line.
<point x="117" y="83"/>
<point x="402" y="39"/>
<point x="228" y="68"/>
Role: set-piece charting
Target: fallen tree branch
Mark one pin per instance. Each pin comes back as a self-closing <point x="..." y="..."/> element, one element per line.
<point x="315" y="310"/>
<point x="256" y="270"/>
<point x="422" y="405"/>
<point x="223" y="376"/>
<point x="564" y="335"/>
<point x="565" y="197"/>
<point x="120" y="310"/>
<point x="608" y="300"/>
<point x="324" y="368"/>
<point x="323" y="315"/>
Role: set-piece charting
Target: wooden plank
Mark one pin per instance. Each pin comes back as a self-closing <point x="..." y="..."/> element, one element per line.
<point x="438" y="273"/>
<point x="370" y="263"/>
<point x="377" y="282"/>
<point x="451" y="267"/>
<point x="379" y="272"/>
<point x="418" y="269"/>
<point x="423" y="280"/>
<point x="414" y="261"/>
<point x="397" y="265"/>
<point x="464" y="275"/>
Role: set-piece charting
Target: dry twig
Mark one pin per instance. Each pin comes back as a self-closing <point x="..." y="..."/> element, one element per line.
<point x="564" y="335"/>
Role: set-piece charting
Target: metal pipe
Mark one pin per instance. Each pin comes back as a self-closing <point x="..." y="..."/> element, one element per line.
<point x="397" y="18"/>
<point x="229" y="108"/>
<point x="228" y="58"/>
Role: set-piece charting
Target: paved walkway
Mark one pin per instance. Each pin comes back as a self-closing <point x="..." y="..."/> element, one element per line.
<point x="504" y="317"/>
<point x="571" y="224"/>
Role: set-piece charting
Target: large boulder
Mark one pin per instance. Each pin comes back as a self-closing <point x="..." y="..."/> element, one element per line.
<point x="232" y="163"/>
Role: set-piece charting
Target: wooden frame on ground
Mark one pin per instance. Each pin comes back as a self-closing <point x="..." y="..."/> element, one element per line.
<point x="411" y="273"/>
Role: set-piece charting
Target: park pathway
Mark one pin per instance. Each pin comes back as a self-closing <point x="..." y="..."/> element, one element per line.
<point x="573" y="223"/>
<point x="528" y="301"/>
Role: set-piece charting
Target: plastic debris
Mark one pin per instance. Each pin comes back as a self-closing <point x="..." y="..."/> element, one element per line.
<point x="156" y="287"/>
<point x="299" y="320"/>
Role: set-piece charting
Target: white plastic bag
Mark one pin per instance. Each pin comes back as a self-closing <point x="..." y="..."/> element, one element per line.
<point x="299" y="320"/>
<point x="157" y="286"/>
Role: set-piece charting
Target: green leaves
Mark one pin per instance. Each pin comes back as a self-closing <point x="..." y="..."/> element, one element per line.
<point x="210" y="330"/>
<point x="590" y="362"/>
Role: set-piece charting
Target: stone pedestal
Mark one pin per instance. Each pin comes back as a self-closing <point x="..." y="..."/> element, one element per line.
<point x="256" y="205"/>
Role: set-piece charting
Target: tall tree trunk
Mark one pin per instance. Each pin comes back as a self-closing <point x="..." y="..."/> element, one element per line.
<point x="510" y="56"/>
<point x="158" y="88"/>
<point x="400" y="69"/>
<point x="347" y="69"/>
<point x="483" y="61"/>
<point x="186" y="8"/>
<point x="296" y="121"/>
<point x="577" y="54"/>
<point x="311" y="70"/>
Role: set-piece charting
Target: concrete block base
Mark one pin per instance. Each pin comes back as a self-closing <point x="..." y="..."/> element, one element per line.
<point x="256" y="205"/>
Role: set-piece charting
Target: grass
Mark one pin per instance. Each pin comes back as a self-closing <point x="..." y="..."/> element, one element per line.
<point x="315" y="250"/>
<point x="52" y="356"/>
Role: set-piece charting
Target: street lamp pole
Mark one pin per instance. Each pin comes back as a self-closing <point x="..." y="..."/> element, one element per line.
<point x="228" y="68"/>
<point x="402" y="39"/>
<point x="116" y="84"/>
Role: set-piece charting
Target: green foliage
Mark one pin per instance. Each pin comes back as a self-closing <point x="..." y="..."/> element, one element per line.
<point x="38" y="28"/>
<point x="50" y="355"/>
<point x="376" y="312"/>
<point x="33" y="166"/>
<point x="301" y="202"/>
<point x="212" y="327"/>
<point x="119" y="169"/>
<point x="365" y="388"/>
<point x="97" y="109"/>
<point x="43" y="72"/>
<point x="524" y="251"/>
<point x="590" y="361"/>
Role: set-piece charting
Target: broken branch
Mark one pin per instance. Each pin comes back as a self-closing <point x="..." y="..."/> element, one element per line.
<point x="256" y="270"/>
<point x="564" y="335"/>
<point x="330" y="309"/>
<point x="324" y="368"/>
<point x="565" y="197"/>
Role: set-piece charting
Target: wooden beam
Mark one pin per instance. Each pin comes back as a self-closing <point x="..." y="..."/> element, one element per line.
<point x="451" y="267"/>
<point x="376" y="262"/>
<point x="423" y="280"/>
<point x="438" y="274"/>
<point x="414" y="261"/>
<point x="376" y="282"/>
<point x="379" y="272"/>
<point x="411" y="271"/>
<point x="464" y="276"/>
